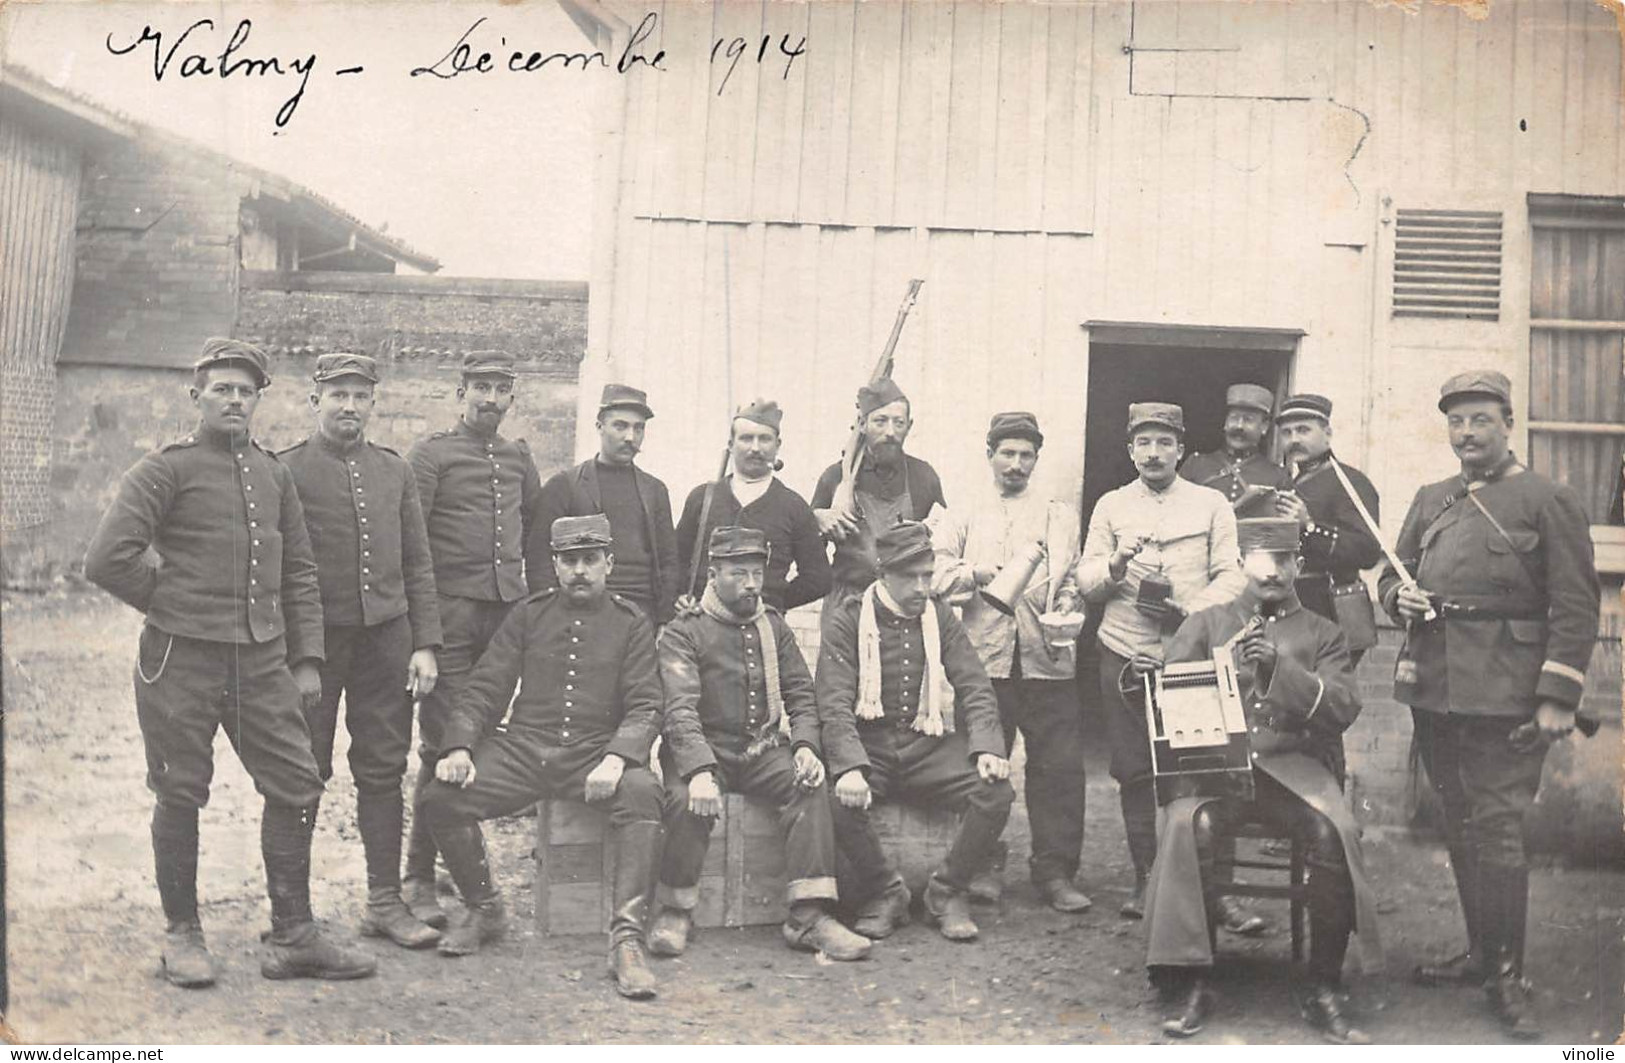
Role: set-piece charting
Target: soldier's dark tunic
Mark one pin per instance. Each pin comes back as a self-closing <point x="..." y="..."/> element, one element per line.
<point x="935" y="772"/>
<point x="230" y="607"/>
<point x="719" y="719"/>
<point x="577" y="493"/>
<point x="906" y="491"/>
<point x="378" y="599"/>
<point x="1218" y="470"/>
<point x="1517" y="625"/>
<point x="1340" y="545"/>
<point x="1296" y="721"/>
<point x="791" y="529"/>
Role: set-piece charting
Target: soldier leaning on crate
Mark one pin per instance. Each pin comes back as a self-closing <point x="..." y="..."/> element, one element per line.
<point x="647" y="570"/>
<point x="1009" y="525"/>
<point x="589" y="708"/>
<point x="1337" y="542"/>
<point x="1299" y="696"/>
<point x="381" y="619"/>
<point x="732" y="672"/>
<point x="1500" y="622"/>
<point x="480" y="494"/>
<point x="908" y="713"/>
<point x="1242" y="472"/>
<point x="233" y="638"/>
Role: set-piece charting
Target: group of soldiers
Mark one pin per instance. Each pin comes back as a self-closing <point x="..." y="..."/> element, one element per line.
<point x="451" y="578"/>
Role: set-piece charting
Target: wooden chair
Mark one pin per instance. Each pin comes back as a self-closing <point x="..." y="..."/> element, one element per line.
<point x="1295" y="892"/>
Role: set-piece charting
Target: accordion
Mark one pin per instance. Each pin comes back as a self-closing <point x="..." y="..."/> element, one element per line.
<point x="1198" y="730"/>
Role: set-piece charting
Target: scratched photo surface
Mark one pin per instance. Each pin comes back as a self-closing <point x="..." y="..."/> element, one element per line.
<point x="720" y="202"/>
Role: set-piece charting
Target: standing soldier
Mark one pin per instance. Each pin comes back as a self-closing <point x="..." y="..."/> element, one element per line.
<point x="752" y="497"/>
<point x="381" y="621"/>
<point x="480" y="494"/>
<point x="732" y="671"/>
<point x="1032" y="679"/>
<point x="1158" y="549"/>
<point x="908" y="713"/>
<point x="233" y="637"/>
<point x="587" y="712"/>
<point x="647" y="571"/>
<point x="1242" y="472"/>
<point x="890" y="486"/>
<point x="1337" y="542"/>
<point x="1501" y="620"/>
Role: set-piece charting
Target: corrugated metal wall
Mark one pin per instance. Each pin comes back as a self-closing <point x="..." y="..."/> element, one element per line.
<point x="39" y="196"/>
<point x="1045" y="165"/>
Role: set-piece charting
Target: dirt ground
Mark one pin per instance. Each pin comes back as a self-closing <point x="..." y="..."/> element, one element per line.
<point x="84" y="924"/>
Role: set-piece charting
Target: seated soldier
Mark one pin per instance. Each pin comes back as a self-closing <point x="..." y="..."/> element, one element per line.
<point x="1299" y="696"/>
<point x="732" y="672"/>
<point x="908" y="712"/>
<point x="587" y="712"/>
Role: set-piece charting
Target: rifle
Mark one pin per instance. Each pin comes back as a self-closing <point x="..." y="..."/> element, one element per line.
<point x="844" y="501"/>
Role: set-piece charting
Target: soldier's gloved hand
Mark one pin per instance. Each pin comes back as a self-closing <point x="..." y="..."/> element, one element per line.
<point x="307" y="676"/>
<point x="688" y="605"/>
<point x="1554" y="721"/>
<point x="456" y="767"/>
<point x="421" y="673"/>
<point x="603" y="780"/>
<point x="809" y="769"/>
<point x="852" y="790"/>
<point x="704" y="799"/>
<point x="992" y="768"/>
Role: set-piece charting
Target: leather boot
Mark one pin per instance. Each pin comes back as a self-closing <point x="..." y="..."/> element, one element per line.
<point x="462" y="843"/>
<point x="1321" y="1004"/>
<point x="185" y="959"/>
<point x="1140" y="825"/>
<point x="1466" y="968"/>
<point x="987" y="885"/>
<point x="669" y="934"/>
<point x="637" y="856"/>
<point x="418" y="890"/>
<point x="1503" y="898"/>
<point x="950" y="909"/>
<point x="813" y="929"/>
<point x="422" y="900"/>
<point x="1195" y="1007"/>
<point x="1234" y="918"/>
<point x="1134" y="907"/>
<point x="1063" y="896"/>
<point x="482" y="924"/>
<point x="297" y="948"/>
<point x="380" y="816"/>
<point x="887" y="911"/>
<point x="1511" y="1001"/>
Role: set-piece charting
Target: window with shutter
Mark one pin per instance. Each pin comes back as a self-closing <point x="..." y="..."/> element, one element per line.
<point x="1577" y="356"/>
<point x="1447" y="263"/>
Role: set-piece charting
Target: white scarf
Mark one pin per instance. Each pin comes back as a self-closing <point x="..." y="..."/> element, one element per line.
<point x="935" y="715"/>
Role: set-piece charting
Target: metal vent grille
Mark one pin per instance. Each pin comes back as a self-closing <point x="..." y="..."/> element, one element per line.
<point x="1447" y="263"/>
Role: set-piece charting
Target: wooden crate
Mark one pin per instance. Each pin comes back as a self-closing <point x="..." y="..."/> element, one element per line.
<point x="743" y="880"/>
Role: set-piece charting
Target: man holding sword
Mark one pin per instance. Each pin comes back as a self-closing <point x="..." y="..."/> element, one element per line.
<point x="382" y="622"/>
<point x="732" y="672"/>
<point x="1501" y="617"/>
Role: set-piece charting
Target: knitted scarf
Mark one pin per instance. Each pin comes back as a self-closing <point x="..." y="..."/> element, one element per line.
<point x="935" y="714"/>
<point x="767" y="735"/>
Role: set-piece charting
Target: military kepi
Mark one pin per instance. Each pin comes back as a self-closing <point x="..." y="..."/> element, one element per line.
<point x="764" y="412"/>
<point x="1299" y="407"/>
<point x="1250" y="397"/>
<point x="581" y="533"/>
<point x="902" y="542"/>
<point x="217" y="350"/>
<point x="736" y="541"/>
<point x="1165" y="414"/>
<point x="622" y="396"/>
<point x="1016" y="424"/>
<point x="1274" y="534"/>
<point x="341" y="363"/>
<point x="882" y="392"/>
<point x="489" y="363"/>
<point x="1475" y="383"/>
